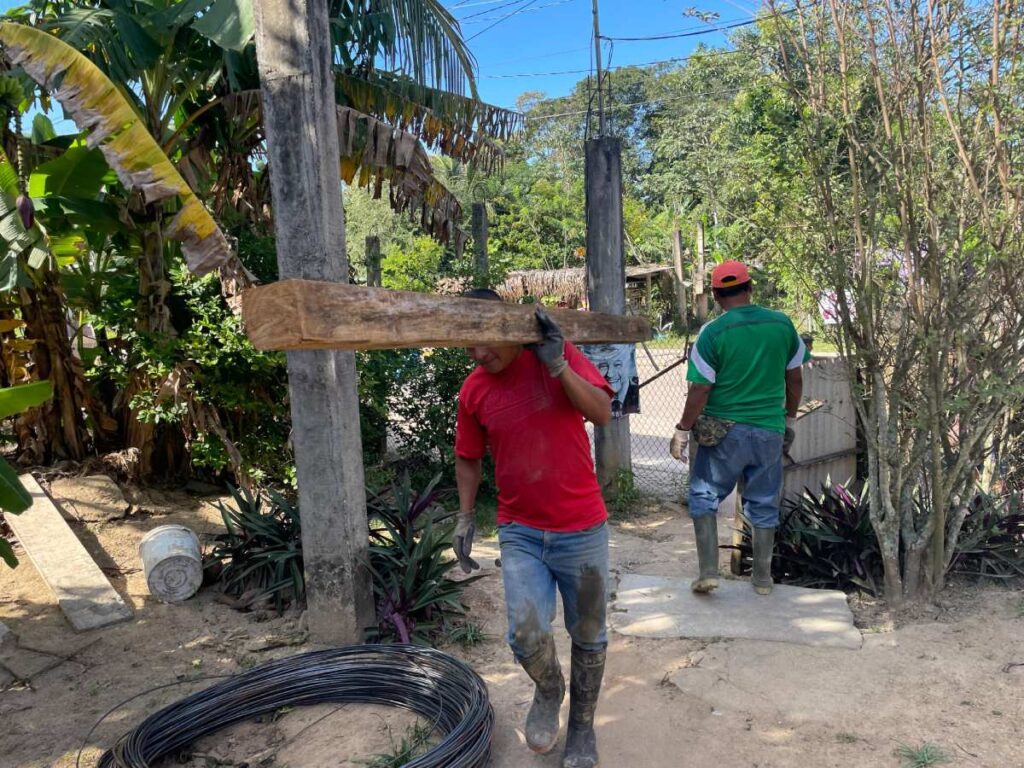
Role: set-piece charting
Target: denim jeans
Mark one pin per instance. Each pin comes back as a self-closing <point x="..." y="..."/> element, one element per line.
<point x="533" y="563"/>
<point x="746" y="453"/>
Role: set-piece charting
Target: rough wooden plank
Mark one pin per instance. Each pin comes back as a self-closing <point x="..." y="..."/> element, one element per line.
<point x="83" y="593"/>
<point x="308" y="314"/>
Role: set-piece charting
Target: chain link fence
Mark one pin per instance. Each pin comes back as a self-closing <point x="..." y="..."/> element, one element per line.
<point x="662" y="372"/>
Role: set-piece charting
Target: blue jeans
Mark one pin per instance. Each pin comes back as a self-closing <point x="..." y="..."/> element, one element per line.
<point x="533" y="563"/>
<point x="746" y="453"/>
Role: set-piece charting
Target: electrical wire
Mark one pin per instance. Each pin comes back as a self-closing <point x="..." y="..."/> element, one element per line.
<point x="660" y="100"/>
<point x="553" y="4"/>
<point x="699" y="32"/>
<point x="674" y="60"/>
<point x="492" y="10"/>
<point x="503" y="18"/>
<point x="435" y="686"/>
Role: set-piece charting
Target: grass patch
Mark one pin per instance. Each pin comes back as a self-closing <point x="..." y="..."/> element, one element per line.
<point x="413" y="743"/>
<point x="467" y="634"/>
<point x="625" y="498"/>
<point x="847" y="738"/>
<point x="923" y="756"/>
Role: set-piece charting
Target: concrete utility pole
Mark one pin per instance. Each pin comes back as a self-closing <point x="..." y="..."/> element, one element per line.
<point x="597" y="59"/>
<point x="677" y="274"/>
<point x="480" y="239"/>
<point x="373" y="261"/>
<point x="606" y="280"/>
<point x="700" y="296"/>
<point x="297" y="87"/>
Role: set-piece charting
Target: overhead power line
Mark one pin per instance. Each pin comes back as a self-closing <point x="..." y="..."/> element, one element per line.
<point x="698" y="32"/>
<point x="541" y="56"/>
<point x="687" y="97"/>
<point x="676" y="60"/>
<point x="524" y="10"/>
<point x="506" y="4"/>
<point x="472" y="3"/>
<point x="503" y="18"/>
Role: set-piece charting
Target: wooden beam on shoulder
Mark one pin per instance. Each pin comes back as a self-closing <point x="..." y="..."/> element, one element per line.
<point x="309" y="314"/>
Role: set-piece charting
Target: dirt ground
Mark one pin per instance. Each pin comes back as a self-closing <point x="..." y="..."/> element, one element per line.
<point x="944" y="674"/>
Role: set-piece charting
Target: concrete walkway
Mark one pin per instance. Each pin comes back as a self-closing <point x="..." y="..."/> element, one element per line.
<point x="657" y="606"/>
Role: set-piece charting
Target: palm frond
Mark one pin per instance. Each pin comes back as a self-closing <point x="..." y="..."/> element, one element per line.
<point x="373" y="152"/>
<point x="462" y="128"/>
<point x="418" y="38"/>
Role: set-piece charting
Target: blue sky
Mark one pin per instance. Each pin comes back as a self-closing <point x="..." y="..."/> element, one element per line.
<point x="516" y="41"/>
<point x="541" y="36"/>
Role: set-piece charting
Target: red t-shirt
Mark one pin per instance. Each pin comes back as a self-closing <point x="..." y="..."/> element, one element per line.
<point x="541" y="452"/>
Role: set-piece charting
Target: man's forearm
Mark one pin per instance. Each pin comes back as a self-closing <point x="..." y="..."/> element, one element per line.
<point x="467" y="479"/>
<point x="589" y="400"/>
<point x="696" y="399"/>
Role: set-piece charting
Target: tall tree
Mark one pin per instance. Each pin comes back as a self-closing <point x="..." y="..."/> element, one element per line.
<point x="909" y="119"/>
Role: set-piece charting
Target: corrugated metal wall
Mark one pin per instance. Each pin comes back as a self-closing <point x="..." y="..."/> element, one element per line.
<point x="826" y="440"/>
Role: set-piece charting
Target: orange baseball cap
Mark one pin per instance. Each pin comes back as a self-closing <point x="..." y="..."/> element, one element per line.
<point x="729" y="273"/>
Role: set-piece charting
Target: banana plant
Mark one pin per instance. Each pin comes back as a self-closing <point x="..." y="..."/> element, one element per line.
<point x="99" y="108"/>
<point x="14" y="498"/>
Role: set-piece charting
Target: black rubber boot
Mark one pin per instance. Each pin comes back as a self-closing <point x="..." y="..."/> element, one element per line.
<point x="764" y="545"/>
<point x="584" y="688"/>
<point x="706" y="530"/>
<point x="542" y="719"/>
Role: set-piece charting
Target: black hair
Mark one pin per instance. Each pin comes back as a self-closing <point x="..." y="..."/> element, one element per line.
<point x="487" y="294"/>
<point x="733" y="290"/>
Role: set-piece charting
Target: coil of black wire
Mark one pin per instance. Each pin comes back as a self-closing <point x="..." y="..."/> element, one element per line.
<point x="439" y="688"/>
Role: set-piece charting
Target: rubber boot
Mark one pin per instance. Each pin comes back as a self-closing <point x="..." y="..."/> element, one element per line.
<point x="706" y="530"/>
<point x="764" y="545"/>
<point x="542" y="719"/>
<point x="584" y="688"/>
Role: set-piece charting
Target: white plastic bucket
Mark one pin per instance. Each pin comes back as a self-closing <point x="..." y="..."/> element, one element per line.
<point x="172" y="562"/>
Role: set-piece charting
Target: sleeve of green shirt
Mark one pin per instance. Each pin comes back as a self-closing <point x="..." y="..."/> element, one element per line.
<point x="799" y="354"/>
<point x="702" y="367"/>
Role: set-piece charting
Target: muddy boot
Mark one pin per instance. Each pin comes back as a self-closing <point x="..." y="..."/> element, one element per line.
<point x="584" y="688"/>
<point x="706" y="530"/>
<point x="542" y="720"/>
<point x="764" y="545"/>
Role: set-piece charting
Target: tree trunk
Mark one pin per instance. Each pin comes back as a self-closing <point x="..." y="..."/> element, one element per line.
<point x="161" y="453"/>
<point x="60" y="431"/>
<point x="154" y="315"/>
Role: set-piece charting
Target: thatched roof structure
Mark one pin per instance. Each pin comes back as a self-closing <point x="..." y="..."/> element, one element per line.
<point x="568" y="285"/>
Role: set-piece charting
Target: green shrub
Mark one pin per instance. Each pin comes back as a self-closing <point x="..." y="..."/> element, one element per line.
<point x="259" y="556"/>
<point x="991" y="543"/>
<point x="425" y="404"/>
<point x="410" y="558"/>
<point x="824" y="540"/>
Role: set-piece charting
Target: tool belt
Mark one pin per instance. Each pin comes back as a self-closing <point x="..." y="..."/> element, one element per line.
<point x="709" y="431"/>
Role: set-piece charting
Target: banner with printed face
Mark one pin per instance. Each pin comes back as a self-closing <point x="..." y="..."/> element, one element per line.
<point x="617" y="363"/>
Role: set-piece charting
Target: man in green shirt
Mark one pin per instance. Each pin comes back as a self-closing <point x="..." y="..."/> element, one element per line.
<point x="745" y="388"/>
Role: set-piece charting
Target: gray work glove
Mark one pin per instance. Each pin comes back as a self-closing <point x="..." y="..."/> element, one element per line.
<point x="679" y="445"/>
<point x="790" y="436"/>
<point x="550" y="351"/>
<point x="462" y="540"/>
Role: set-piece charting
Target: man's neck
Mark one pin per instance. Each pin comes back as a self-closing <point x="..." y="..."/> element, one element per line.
<point x="736" y="301"/>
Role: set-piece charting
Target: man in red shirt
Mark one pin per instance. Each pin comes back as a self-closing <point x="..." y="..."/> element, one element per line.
<point x="527" y="405"/>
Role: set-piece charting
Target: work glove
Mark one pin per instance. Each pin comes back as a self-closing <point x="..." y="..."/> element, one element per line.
<point x="462" y="540"/>
<point x="679" y="446"/>
<point x="790" y="436"/>
<point x="550" y="351"/>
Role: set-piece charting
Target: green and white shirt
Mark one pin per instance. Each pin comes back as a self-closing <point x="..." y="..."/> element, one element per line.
<point x="745" y="354"/>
